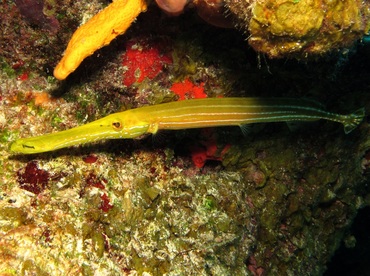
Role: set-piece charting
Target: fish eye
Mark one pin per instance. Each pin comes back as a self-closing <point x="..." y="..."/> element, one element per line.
<point x="117" y="125"/>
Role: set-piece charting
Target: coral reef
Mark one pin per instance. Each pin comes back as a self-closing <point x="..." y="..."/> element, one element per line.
<point x="276" y="28"/>
<point x="265" y="204"/>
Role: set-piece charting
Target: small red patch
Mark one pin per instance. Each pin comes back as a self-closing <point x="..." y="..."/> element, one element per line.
<point x="33" y="179"/>
<point x="18" y="64"/>
<point x="105" y="204"/>
<point x="254" y="268"/>
<point x="93" y="181"/>
<point x="90" y="159"/>
<point x="23" y="77"/>
<point x="207" y="149"/>
<point x="143" y="59"/>
<point x="198" y="156"/>
<point x="188" y="90"/>
<point x="46" y="235"/>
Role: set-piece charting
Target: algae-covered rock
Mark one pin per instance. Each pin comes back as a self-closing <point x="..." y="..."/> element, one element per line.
<point x="307" y="201"/>
<point x="300" y="28"/>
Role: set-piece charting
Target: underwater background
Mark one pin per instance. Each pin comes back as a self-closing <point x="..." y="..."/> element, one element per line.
<point x="278" y="200"/>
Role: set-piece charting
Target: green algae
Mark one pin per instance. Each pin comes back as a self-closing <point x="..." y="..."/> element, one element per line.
<point x="12" y="217"/>
<point x="6" y="135"/>
<point x="7" y="69"/>
<point x="185" y="64"/>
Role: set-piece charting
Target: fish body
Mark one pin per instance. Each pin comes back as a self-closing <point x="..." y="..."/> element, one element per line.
<point x="197" y="113"/>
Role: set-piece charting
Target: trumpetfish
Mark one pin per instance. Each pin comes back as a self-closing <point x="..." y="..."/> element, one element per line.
<point x="196" y="113"/>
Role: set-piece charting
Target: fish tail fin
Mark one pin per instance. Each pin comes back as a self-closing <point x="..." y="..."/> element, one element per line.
<point x="354" y="120"/>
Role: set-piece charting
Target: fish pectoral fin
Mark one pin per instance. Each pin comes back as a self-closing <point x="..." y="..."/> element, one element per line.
<point x="153" y="128"/>
<point x="246" y="129"/>
<point x="161" y="137"/>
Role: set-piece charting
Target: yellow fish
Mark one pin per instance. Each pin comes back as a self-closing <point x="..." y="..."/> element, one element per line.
<point x="197" y="113"/>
